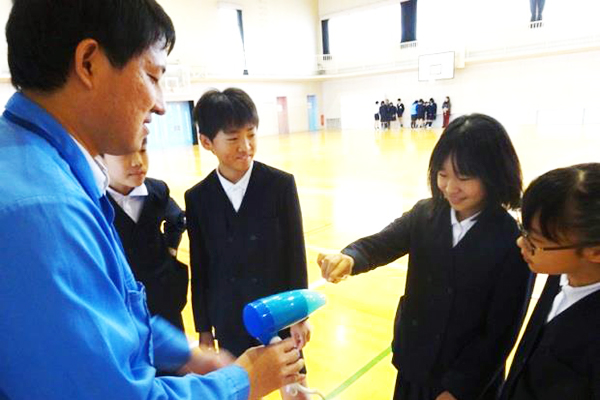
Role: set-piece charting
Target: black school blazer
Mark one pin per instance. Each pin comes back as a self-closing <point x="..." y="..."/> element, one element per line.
<point x="236" y="258"/>
<point x="146" y="247"/>
<point x="463" y="306"/>
<point x="560" y="359"/>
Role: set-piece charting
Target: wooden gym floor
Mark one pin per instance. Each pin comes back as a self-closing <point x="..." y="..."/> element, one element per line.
<point x="351" y="184"/>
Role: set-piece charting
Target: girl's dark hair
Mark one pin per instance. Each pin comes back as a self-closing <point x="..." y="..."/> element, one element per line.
<point x="229" y="109"/>
<point x="42" y="36"/>
<point x="566" y="200"/>
<point x="479" y="147"/>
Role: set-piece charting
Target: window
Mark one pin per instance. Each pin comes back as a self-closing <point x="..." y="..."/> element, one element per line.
<point x="230" y="49"/>
<point x="368" y="31"/>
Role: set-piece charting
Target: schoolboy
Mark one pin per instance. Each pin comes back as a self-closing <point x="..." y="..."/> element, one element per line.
<point x="244" y="226"/>
<point x="141" y="207"/>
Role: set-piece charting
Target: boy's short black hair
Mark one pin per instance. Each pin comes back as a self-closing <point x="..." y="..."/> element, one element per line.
<point x="566" y="200"/>
<point x="226" y="110"/>
<point x="42" y="36"/>
<point x="480" y="147"/>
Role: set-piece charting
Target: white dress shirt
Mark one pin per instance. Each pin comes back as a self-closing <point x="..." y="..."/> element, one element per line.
<point x="235" y="191"/>
<point x="569" y="295"/>
<point x="460" y="228"/>
<point x="131" y="203"/>
<point x="97" y="166"/>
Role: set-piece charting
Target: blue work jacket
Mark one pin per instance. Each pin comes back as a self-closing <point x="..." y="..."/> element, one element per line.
<point x="73" y="321"/>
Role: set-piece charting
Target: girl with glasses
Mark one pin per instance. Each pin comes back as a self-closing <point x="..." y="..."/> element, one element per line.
<point x="467" y="285"/>
<point x="559" y="355"/>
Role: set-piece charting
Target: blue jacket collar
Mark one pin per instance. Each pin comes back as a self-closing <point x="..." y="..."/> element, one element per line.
<point x="24" y="112"/>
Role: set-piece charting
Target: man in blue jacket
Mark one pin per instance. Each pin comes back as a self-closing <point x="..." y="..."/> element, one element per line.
<point x="73" y="321"/>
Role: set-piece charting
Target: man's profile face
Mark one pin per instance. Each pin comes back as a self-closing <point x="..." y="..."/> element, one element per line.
<point x="128" y="98"/>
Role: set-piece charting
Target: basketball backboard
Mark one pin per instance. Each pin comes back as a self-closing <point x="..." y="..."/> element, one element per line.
<point x="436" y="66"/>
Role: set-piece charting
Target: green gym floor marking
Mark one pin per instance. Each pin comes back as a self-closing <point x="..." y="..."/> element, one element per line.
<point x="358" y="374"/>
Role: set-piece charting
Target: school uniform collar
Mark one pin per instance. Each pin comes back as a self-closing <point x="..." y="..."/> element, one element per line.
<point x="133" y="202"/>
<point x="569" y="295"/>
<point x="242" y="184"/>
<point x="460" y="228"/>
<point x="139" y="191"/>
<point x="577" y="291"/>
<point x="235" y="192"/>
<point x="465" y="223"/>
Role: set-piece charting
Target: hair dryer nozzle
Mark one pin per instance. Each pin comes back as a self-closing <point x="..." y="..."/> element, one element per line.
<point x="265" y="317"/>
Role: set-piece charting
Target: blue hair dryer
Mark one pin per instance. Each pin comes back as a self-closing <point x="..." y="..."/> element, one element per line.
<point x="265" y="317"/>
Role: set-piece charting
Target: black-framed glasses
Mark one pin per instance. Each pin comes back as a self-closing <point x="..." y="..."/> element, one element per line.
<point x="531" y="247"/>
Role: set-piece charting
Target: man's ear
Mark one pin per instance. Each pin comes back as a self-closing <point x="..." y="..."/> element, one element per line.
<point x="86" y="63"/>
<point x="592" y="254"/>
<point x="205" y="142"/>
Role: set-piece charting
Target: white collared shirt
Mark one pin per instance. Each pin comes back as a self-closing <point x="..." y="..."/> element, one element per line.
<point x="460" y="229"/>
<point x="131" y="203"/>
<point x="235" y="191"/>
<point x="97" y="166"/>
<point x="569" y="295"/>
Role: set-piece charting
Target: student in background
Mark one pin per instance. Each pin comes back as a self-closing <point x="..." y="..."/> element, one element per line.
<point x="400" y="112"/>
<point x="420" y="114"/>
<point x="446" y="110"/>
<point x="383" y="113"/>
<point x="428" y="111"/>
<point x="244" y="225"/>
<point x="141" y="207"/>
<point x="432" y="111"/>
<point x="467" y="286"/>
<point x="559" y="354"/>
<point x="413" y="114"/>
<point x="392" y="110"/>
<point x="377" y="118"/>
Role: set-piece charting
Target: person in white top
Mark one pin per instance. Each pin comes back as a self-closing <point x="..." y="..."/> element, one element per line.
<point x="559" y="355"/>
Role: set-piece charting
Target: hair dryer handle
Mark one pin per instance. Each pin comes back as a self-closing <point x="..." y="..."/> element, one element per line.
<point x="292" y="388"/>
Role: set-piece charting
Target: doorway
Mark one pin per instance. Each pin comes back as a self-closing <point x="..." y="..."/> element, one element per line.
<point x="282" y="115"/>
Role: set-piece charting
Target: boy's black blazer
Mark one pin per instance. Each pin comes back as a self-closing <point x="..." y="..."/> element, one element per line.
<point x="560" y="359"/>
<point x="462" y="307"/>
<point x="146" y="247"/>
<point x="239" y="257"/>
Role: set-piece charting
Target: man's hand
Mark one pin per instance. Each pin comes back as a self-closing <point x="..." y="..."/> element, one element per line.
<point x="301" y="333"/>
<point x="205" y="361"/>
<point x="206" y="341"/>
<point x="271" y="367"/>
<point x="335" y="267"/>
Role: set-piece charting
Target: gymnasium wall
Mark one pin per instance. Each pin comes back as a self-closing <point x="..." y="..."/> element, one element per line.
<point x="559" y="89"/>
<point x="275" y="31"/>
<point x="518" y="74"/>
<point x="265" y="96"/>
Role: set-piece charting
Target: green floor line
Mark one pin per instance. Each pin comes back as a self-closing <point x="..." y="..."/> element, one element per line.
<point x="358" y="374"/>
